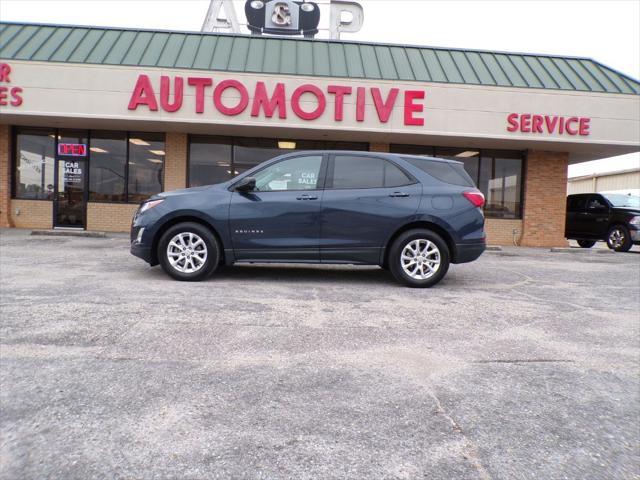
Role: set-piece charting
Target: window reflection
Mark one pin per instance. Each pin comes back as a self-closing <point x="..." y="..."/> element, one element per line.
<point x="214" y="159"/>
<point x="209" y="160"/>
<point x="35" y="153"/>
<point x="497" y="173"/>
<point x="146" y="162"/>
<point x="107" y="178"/>
<point x="503" y="192"/>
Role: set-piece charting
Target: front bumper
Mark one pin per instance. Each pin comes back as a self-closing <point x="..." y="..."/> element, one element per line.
<point x="142" y="252"/>
<point x="138" y="247"/>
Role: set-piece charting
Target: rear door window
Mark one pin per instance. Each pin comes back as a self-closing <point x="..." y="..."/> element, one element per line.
<point x="351" y="171"/>
<point x="452" y="173"/>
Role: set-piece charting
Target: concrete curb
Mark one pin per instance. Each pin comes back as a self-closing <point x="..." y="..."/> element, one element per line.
<point x="494" y="248"/>
<point x="578" y="250"/>
<point x="68" y="233"/>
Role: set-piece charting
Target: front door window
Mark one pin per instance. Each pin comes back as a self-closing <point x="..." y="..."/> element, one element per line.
<point x="70" y="189"/>
<point x="70" y="194"/>
<point x="299" y="173"/>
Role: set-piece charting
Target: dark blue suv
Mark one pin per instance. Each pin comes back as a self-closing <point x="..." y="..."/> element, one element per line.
<point x="411" y="215"/>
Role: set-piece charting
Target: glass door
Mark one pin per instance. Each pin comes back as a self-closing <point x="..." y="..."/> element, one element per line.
<point x="71" y="180"/>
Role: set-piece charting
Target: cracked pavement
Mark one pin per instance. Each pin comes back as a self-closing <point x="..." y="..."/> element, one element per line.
<point x="522" y="365"/>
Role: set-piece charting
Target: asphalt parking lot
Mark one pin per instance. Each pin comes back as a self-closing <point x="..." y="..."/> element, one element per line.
<point x="522" y="365"/>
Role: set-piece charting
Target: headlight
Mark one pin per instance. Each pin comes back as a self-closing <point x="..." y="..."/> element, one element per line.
<point x="635" y="221"/>
<point x="148" y="205"/>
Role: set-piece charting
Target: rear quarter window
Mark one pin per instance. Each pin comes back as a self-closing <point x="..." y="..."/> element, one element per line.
<point x="445" y="172"/>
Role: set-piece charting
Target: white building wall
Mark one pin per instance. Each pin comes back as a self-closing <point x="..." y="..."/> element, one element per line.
<point x="613" y="182"/>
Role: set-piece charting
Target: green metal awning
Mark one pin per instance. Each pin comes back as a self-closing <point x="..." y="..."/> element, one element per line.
<point x="322" y="58"/>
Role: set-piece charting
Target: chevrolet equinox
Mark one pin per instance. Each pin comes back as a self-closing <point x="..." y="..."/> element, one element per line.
<point x="411" y="215"/>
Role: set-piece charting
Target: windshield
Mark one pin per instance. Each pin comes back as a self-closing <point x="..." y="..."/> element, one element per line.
<point x="623" y="200"/>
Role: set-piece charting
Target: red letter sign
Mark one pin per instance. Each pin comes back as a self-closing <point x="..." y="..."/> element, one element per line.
<point x="177" y="93"/>
<point x="384" y="109"/>
<point x="200" y="83"/>
<point x="242" y="104"/>
<point x="295" y="102"/>
<point x="410" y="108"/>
<point x="143" y="95"/>
<point x="339" y="92"/>
<point x="269" y="105"/>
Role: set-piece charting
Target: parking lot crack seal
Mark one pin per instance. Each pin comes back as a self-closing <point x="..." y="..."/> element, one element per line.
<point x="532" y="360"/>
<point x="470" y="451"/>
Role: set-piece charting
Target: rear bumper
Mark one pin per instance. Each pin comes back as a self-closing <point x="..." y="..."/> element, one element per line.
<point x="468" y="252"/>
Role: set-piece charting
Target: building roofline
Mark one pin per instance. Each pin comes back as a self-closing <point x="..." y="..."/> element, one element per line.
<point x="520" y="70"/>
<point x="314" y="40"/>
<point x="603" y="174"/>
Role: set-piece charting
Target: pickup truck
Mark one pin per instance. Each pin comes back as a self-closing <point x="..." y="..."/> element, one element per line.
<point x="614" y="218"/>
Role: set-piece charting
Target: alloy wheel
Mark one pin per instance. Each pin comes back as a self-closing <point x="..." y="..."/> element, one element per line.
<point x="616" y="238"/>
<point x="187" y="252"/>
<point x="420" y="259"/>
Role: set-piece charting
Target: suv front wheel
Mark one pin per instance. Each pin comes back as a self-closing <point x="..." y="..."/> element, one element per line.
<point x="419" y="258"/>
<point x="188" y="252"/>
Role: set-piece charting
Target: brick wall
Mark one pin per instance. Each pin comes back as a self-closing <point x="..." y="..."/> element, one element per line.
<point x="32" y="214"/>
<point x="500" y="231"/>
<point x="175" y="161"/>
<point x="110" y="217"/>
<point x="545" y="193"/>
<point x="379" y="147"/>
<point x="5" y="176"/>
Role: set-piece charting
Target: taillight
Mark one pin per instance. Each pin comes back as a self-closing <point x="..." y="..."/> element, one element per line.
<point x="475" y="197"/>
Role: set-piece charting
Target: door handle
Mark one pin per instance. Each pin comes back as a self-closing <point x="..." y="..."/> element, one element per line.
<point x="307" y="197"/>
<point x="399" y="194"/>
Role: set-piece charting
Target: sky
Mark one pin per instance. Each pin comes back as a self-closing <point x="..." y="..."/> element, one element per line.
<point x="605" y="30"/>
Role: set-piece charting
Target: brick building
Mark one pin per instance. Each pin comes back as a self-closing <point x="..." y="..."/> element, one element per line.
<point x="94" y="120"/>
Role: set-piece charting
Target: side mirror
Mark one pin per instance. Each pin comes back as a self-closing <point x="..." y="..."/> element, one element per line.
<point x="247" y="184"/>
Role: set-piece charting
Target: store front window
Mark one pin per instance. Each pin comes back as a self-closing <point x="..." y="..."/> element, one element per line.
<point x="146" y="161"/>
<point x="503" y="192"/>
<point x="218" y="159"/>
<point x="107" y="182"/>
<point x="34" y="164"/>
<point x="123" y="167"/>
<point x="209" y="160"/>
<point x="497" y="173"/>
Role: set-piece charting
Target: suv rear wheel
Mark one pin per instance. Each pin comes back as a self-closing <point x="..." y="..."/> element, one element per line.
<point x="419" y="258"/>
<point x="619" y="239"/>
<point x="188" y="252"/>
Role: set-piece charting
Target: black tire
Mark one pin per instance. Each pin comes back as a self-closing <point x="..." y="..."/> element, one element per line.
<point x="586" y="243"/>
<point x="395" y="260"/>
<point x="211" y="259"/>
<point x="619" y="238"/>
